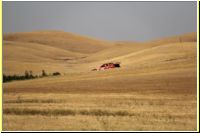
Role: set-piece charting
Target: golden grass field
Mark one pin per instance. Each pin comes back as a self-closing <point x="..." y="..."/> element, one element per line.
<point x="154" y="89"/>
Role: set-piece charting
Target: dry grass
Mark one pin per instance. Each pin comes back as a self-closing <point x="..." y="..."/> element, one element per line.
<point x="95" y="112"/>
<point x="32" y="101"/>
<point x="59" y="39"/>
<point x="94" y="123"/>
<point x="103" y="111"/>
<point x="155" y="88"/>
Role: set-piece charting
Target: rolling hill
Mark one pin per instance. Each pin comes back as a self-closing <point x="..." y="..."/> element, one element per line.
<point x="59" y="39"/>
<point x="55" y="50"/>
<point x="154" y="89"/>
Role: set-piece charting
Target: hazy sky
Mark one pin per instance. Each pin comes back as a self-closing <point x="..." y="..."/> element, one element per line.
<point x="137" y="21"/>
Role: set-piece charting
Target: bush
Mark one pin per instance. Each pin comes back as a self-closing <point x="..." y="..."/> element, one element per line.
<point x="44" y="73"/>
<point x="56" y="74"/>
<point x="27" y="75"/>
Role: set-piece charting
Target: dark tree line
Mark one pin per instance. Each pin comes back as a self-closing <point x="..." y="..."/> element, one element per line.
<point x="27" y="75"/>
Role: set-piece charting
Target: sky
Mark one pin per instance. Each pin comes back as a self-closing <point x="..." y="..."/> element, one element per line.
<point x="130" y="21"/>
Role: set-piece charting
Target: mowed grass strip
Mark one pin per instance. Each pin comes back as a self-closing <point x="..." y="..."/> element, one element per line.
<point x="25" y="111"/>
<point x="65" y="112"/>
<point x="33" y="101"/>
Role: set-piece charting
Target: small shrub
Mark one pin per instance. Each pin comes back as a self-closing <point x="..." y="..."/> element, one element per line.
<point x="27" y="75"/>
<point x="44" y="73"/>
<point x="56" y="74"/>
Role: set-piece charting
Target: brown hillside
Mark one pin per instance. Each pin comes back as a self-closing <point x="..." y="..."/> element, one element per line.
<point x="59" y="39"/>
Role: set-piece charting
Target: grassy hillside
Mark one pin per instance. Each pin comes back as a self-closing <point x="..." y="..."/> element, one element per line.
<point x="187" y="37"/>
<point x="59" y="39"/>
<point x="154" y="89"/>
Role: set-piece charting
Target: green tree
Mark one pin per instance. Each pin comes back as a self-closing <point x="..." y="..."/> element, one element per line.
<point x="26" y="74"/>
<point x="31" y="74"/>
<point x="44" y="73"/>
